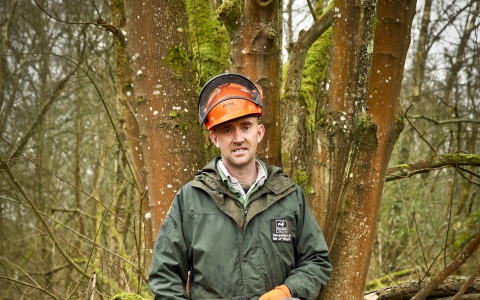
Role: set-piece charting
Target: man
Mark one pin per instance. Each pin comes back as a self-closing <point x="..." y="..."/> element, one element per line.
<point x="241" y="229"/>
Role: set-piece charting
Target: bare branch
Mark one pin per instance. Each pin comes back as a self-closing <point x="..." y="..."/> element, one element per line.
<point x="312" y="10"/>
<point x="29" y="285"/>
<point x="454" y="265"/>
<point x="39" y="216"/>
<point x="433" y="163"/>
<point x="441" y="122"/>
<point x="100" y="22"/>
<point x="467" y="284"/>
<point x="415" y="128"/>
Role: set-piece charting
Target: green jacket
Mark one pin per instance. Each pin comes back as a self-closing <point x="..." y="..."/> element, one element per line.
<point x="234" y="252"/>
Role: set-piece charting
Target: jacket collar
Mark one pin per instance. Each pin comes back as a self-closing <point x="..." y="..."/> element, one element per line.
<point x="277" y="182"/>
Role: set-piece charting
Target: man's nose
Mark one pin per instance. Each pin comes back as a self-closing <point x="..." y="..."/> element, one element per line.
<point x="238" y="136"/>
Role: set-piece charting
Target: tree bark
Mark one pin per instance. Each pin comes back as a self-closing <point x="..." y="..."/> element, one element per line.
<point x="129" y="124"/>
<point x="255" y="29"/>
<point x="165" y="96"/>
<point x="362" y="129"/>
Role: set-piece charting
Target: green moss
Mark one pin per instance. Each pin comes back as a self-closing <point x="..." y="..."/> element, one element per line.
<point x="374" y="25"/>
<point x="127" y="296"/>
<point x="231" y="12"/>
<point x="402" y="167"/>
<point x="302" y="178"/>
<point x="173" y="114"/>
<point x="140" y="99"/>
<point x="348" y="204"/>
<point x="208" y="39"/>
<point x="176" y="59"/>
<point x="465" y="157"/>
<point x="183" y="126"/>
<point x="314" y="74"/>
<point x="365" y="131"/>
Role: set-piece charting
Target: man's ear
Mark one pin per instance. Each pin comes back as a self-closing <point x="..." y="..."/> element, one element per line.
<point x="261" y="132"/>
<point x="213" y="138"/>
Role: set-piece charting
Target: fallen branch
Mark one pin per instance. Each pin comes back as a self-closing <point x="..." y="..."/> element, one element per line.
<point x="452" y="266"/>
<point x="389" y="278"/>
<point x="446" y="289"/>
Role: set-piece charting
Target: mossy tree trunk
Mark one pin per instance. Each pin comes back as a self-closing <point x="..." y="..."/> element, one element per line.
<point x="164" y="88"/>
<point x="364" y="121"/>
<point x="128" y="124"/>
<point x="255" y="29"/>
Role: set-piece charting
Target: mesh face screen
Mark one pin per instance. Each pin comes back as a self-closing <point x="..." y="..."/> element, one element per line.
<point x="211" y="94"/>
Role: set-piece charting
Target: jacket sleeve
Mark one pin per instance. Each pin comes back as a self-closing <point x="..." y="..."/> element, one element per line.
<point x="169" y="269"/>
<point x="313" y="267"/>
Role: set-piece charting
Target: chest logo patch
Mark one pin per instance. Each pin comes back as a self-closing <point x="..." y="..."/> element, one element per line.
<point x="281" y="230"/>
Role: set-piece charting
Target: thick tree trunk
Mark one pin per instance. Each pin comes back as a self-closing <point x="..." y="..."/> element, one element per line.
<point x="165" y="94"/>
<point x="361" y="135"/>
<point x="255" y="29"/>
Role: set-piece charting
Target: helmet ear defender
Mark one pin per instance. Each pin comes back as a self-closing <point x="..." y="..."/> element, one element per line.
<point x="227" y="97"/>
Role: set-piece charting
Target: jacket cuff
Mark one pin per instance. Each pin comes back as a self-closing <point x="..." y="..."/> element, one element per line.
<point x="293" y="291"/>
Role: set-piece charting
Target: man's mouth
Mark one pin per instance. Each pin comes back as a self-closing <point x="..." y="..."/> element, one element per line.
<point x="240" y="150"/>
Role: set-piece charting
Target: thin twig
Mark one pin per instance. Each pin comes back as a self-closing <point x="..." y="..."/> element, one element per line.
<point x="38" y="214"/>
<point x="452" y="266"/>
<point x="415" y="128"/>
<point x="30" y="285"/>
<point x="464" y="176"/>
<point x="312" y="10"/>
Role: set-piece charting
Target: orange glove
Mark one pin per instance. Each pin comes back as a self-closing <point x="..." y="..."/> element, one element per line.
<point x="278" y="293"/>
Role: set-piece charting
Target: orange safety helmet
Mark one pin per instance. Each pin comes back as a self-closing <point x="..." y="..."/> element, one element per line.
<point x="227" y="97"/>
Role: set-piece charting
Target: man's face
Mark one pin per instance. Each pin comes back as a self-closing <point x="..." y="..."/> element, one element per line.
<point x="237" y="141"/>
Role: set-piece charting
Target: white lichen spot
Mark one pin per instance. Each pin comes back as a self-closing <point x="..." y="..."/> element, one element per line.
<point x="342" y="118"/>
<point x="180" y="29"/>
<point x="124" y="32"/>
<point x="139" y="72"/>
<point x="327" y="86"/>
<point x="129" y="93"/>
<point x="177" y="108"/>
<point x="151" y="108"/>
<point x="156" y="92"/>
<point x="158" y="86"/>
<point x="148" y="215"/>
<point x="155" y="113"/>
<point x="169" y="186"/>
<point x="185" y="110"/>
<point x="244" y="51"/>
